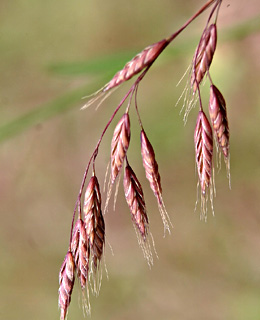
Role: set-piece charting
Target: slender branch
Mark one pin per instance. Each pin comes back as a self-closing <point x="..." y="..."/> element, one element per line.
<point x="94" y="154"/>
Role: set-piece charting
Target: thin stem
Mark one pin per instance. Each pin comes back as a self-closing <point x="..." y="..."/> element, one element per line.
<point x="217" y="6"/>
<point x="186" y="24"/>
<point x="210" y="79"/>
<point x="202" y="9"/>
<point x="220" y="1"/>
<point x="130" y="100"/>
<point x="137" y="111"/>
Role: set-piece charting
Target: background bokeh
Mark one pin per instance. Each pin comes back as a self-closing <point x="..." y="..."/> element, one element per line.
<point x="205" y="270"/>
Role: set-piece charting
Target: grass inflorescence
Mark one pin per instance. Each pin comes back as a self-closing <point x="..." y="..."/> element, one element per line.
<point x="87" y="237"/>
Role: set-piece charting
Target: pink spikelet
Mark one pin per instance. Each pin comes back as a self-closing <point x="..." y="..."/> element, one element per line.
<point x="137" y="64"/>
<point x="94" y="222"/>
<point x="80" y="251"/>
<point x="135" y="200"/>
<point x="204" y="55"/>
<point x="119" y="145"/>
<point x="219" y="120"/>
<point x="203" y="151"/>
<point x="66" y="281"/>
<point x="153" y="176"/>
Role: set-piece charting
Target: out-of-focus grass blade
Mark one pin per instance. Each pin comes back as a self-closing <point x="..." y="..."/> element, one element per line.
<point x="102" y="64"/>
<point x="234" y="33"/>
<point x="42" y="113"/>
<point x="242" y="30"/>
<point x="114" y="62"/>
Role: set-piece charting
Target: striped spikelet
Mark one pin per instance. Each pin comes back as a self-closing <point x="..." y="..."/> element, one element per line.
<point x="218" y="116"/>
<point x="119" y="145"/>
<point x="203" y="150"/>
<point x="94" y="222"/>
<point x="80" y="251"/>
<point x="66" y="282"/>
<point x="137" y="64"/>
<point x="150" y="166"/>
<point x="204" y="55"/>
<point x="153" y="176"/>
<point x="135" y="200"/>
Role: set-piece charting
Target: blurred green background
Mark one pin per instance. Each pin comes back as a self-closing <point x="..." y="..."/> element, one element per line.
<point x="52" y="53"/>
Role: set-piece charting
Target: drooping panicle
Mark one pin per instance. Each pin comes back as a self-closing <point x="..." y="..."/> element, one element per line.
<point x="66" y="283"/>
<point x="80" y="251"/>
<point x="87" y="236"/>
<point x="219" y="120"/>
<point x="135" y="200"/>
<point x="203" y="55"/>
<point x="119" y="145"/>
<point x="137" y="64"/>
<point x="94" y="221"/>
<point x="203" y="150"/>
<point x="153" y="176"/>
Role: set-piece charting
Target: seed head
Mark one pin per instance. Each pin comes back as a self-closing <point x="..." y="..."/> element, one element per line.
<point x="204" y="55"/>
<point x="80" y="252"/>
<point x="94" y="222"/>
<point x="203" y="150"/>
<point x="135" y="200"/>
<point x="150" y="165"/>
<point x="119" y="145"/>
<point x="137" y="64"/>
<point x="153" y="176"/>
<point x="218" y="116"/>
<point x="66" y="281"/>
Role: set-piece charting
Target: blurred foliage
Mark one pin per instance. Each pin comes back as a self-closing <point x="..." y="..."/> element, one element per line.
<point x="103" y="65"/>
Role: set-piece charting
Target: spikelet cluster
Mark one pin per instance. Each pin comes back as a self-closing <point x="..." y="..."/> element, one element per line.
<point x="132" y="187"/>
<point x="203" y="135"/>
<point x="87" y="239"/>
<point x="203" y="140"/>
<point x="86" y="250"/>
